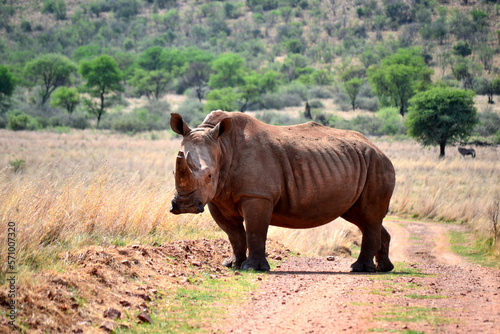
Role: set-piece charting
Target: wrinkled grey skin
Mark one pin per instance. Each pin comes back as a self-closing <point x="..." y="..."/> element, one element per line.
<point x="252" y="175"/>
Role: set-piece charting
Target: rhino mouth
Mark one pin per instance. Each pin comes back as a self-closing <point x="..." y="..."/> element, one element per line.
<point x="180" y="208"/>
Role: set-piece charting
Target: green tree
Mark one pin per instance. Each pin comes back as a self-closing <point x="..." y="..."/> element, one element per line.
<point x="223" y="99"/>
<point x="399" y="76"/>
<point x="441" y="116"/>
<point x="65" y="97"/>
<point x="103" y="78"/>
<point x="153" y="84"/>
<point x="495" y="86"/>
<point x="229" y="71"/>
<point x="352" y="88"/>
<point x="7" y="84"/>
<point x="249" y="91"/>
<point x="50" y="71"/>
<point x="197" y="75"/>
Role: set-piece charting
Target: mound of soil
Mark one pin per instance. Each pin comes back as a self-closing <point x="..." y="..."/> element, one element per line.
<point x="102" y="282"/>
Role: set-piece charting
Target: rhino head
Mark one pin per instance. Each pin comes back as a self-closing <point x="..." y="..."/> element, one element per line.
<point x="197" y="165"/>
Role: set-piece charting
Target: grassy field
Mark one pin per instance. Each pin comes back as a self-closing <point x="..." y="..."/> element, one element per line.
<point x="90" y="187"/>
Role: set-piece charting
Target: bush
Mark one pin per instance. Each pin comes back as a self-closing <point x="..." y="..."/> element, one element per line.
<point x="367" y="103"/>
<point x="367" y="125"/>
<point x="317" y="92"/>
<point x="392" y="121"/>
<point x="316" y="104"/>
<point x="18" y="120"/>
<point x="56" y="7"/>
<point x="277" y="118"/>
<point x="128" y="124"/>
<point x="489" y="123"/>
<point x="192" y="112"/>
<point x="279" y="100"/>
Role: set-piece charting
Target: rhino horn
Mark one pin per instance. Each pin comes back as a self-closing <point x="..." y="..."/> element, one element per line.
<point x="184" y="179"/>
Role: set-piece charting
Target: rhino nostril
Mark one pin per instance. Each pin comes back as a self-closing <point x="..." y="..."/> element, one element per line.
<point x="200" y="208"/>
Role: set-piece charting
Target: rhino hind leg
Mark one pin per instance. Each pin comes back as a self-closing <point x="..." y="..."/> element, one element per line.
<point x="382" y="256"/>
<point x="370" y="244"/>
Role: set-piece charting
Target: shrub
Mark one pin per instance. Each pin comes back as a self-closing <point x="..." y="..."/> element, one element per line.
<point x="317" y="92"/>
<point x="56" y="7"/>
<point x="392" y="121"/>
<point x="128" y="124"/>
<point x="489" y="123"/>
<point x="18" y="120"/>
<point x="278" y="118"/>
<point x="279" y="100"/>
<point x="367" y="103"/>
<point x="316" y="104"/>
<point x="192" y="112"/>
<point x="17" y="165"/>
<point x="367" y="125"/>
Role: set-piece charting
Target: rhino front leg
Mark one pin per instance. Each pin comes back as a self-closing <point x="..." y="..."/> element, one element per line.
<point x="236" y="234"/>
<point x="257" y="215"/>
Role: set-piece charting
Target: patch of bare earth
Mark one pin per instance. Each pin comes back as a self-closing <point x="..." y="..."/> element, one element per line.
<point x="102" y="283"/>
<point x="431" y="290"/>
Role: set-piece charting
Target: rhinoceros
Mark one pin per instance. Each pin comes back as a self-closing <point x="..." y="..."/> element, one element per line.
<point x="253" y="175"/>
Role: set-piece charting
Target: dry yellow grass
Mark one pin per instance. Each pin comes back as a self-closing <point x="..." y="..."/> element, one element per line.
<point x="89" y="187"/>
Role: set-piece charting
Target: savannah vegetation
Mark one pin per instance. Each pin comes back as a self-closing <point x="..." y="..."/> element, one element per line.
<point x="86" y="89"/>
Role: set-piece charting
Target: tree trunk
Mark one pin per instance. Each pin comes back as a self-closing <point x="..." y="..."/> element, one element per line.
<point x="307" y="112"/>
<point x="441" y="150"/>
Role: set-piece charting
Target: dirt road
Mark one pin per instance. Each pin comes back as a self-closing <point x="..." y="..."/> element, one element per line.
<point x="431" y="290"/>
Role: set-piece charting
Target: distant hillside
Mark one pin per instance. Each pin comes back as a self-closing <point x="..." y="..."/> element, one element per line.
<point x="317" y="44"/>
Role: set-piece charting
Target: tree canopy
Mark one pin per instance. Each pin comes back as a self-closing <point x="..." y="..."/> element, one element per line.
<point x="441" y="116"/>
<point x="103" y="77"/>
<point x="399" y="76"/>
<point x="50" y="71"/>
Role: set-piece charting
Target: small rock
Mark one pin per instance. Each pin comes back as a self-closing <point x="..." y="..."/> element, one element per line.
<point x="108" y="326"/>
<point x="135" y="246"/>
<point x="196" y="263"/>
<point x="213" y="276"/>
<point x="125" y="303"/>
<point x="144" y="297"/>
<point x="74" y="306"/>
<point x="112" y="313"/>
<point x="330" y="258"/>
<point x="126" y="263"/>
<point x="78" y="331"/>
<point x="83" y="323"/>
<point x="145" y="317"/>
<point x="237" y="273"/>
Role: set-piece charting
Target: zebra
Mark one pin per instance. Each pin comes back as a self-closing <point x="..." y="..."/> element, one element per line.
<point x="467" y="151"/>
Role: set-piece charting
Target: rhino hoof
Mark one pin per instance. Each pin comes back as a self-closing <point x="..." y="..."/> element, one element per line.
<point x="231" y="263"/>
<point x="358" y="267"/>
<point x="261" y="265"/>
<point x="384" y="266"/>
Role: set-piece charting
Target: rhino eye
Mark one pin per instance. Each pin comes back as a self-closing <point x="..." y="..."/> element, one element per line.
<point x="210" y="176"/>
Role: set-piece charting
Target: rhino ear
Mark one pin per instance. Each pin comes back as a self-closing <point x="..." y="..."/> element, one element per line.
<point x="178" y="125"/>
<point x="224" y="127"/>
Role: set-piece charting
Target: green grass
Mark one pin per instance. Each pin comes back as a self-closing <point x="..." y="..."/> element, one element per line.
<point x="417" y="296"/>
<point x="196" y="306"/>
<point x="405" y="314"/>
<point x="477" y="251"/>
